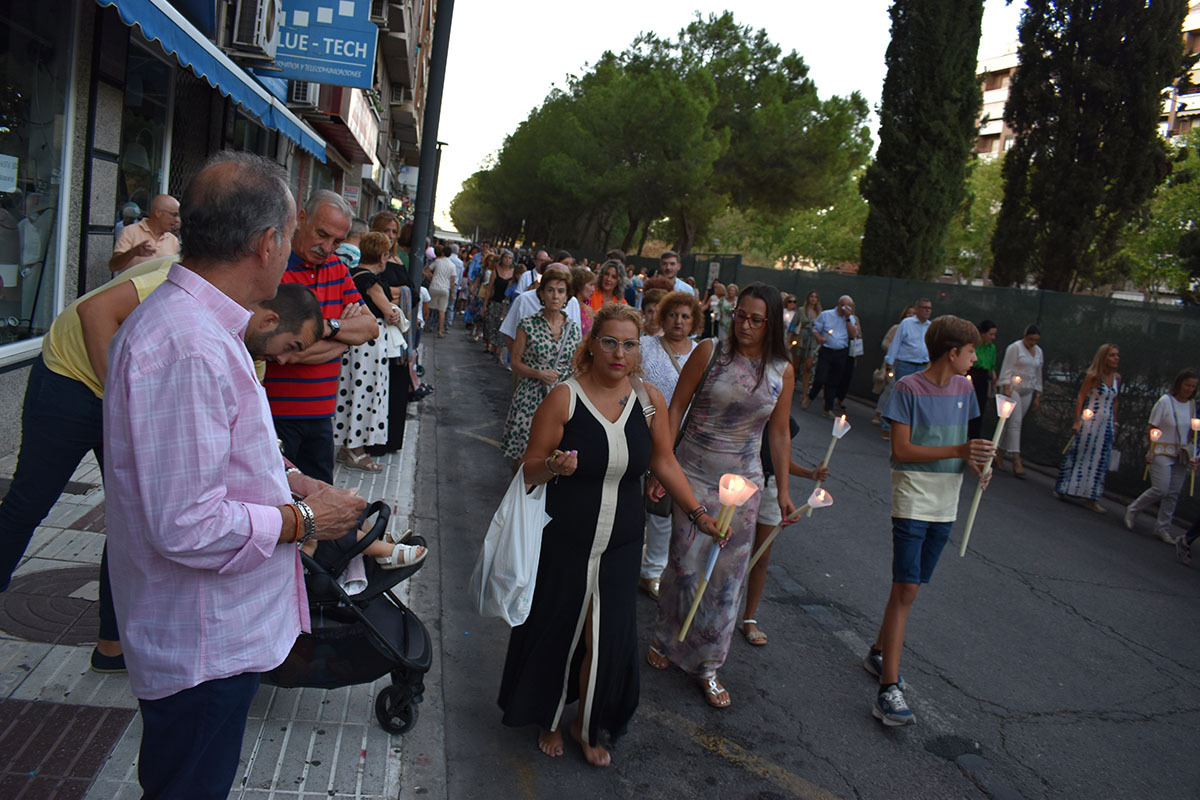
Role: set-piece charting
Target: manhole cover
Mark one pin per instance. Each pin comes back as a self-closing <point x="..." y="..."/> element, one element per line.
<point x="40" y="607"/>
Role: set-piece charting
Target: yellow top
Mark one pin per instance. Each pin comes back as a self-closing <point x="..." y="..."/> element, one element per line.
<point x="63" y="349"/>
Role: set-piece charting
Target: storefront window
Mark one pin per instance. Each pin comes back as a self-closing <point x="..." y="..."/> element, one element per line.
<point x="35" y="74"/>
<point x="144" y="145"/>
<point x="250" y="136"/>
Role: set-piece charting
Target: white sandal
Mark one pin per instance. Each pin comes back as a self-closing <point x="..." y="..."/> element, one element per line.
<point x="403" y="555"/>
<point x="391" y="537"/>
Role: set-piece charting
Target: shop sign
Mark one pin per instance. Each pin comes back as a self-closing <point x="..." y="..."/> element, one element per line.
<point x="327" y="41"/>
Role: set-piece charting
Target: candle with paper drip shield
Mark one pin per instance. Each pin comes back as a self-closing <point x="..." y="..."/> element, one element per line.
<point x="840" y="428"/>
<point x="1004" y="409"/>
<point x="818" y="499"/>
<point x="734" y="491"/>
<point x="1155" y="435"/>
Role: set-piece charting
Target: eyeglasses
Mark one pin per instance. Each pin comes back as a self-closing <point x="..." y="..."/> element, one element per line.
<point x="609" y="345"/>
<point x="924" y="308"/>
<point x="753" y="320"/>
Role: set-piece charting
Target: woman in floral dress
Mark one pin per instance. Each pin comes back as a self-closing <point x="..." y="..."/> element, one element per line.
<point x="541" y="357"/>
<point x="747" y="392"/>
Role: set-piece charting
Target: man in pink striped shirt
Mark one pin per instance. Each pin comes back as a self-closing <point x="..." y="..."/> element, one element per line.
<point x="202" y="532"/>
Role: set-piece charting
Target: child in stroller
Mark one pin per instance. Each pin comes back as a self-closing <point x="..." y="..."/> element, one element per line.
<point x="358" y="638"/>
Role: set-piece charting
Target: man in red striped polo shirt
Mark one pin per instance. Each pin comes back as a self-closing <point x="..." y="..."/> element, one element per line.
<point x="303" y="392"/>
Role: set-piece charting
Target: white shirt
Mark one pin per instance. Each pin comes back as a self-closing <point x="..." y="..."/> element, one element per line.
<point x="443" y="275"/>
<point x="459" y="268"/>
<point x="684" y="286"/>
<point x="1174" y="419"/>
<point x="1019" y="361"/>
<point x="527" y="303"/>
<point x="425" y="298"/>
<point x="657" y="364"/>
<point x="525" y="281"/>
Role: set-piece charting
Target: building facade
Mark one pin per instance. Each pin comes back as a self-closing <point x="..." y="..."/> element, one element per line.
<point x="106" y="103"/>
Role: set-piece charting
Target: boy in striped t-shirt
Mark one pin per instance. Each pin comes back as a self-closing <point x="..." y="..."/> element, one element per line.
<point x="929" y="412"/>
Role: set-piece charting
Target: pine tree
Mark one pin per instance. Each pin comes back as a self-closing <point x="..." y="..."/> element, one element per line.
<point x="927" y="131"/>
<point x="1084" y="106"/>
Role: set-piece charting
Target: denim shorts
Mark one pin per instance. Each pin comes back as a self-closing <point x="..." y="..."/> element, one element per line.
<point x="916" y="547"/>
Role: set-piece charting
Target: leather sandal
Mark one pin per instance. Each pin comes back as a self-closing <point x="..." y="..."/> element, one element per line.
<point x="754" y="637"/>
<point x="362" y="461"/>
<point x="715" y="694"/>
<point x="656" y="658"/>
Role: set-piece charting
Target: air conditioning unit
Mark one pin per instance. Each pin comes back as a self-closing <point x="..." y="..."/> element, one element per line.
<point x="305" y="94"/>
<point x="379" y="12"/>
<point x="399" y="94"/>
<point x="256" y="27"/>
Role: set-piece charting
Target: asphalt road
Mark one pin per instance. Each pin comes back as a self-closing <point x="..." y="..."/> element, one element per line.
<point x="1057" y="659"/>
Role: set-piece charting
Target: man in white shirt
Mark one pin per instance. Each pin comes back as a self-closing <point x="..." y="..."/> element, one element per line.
<point x="540" y="259"/>
<point x="668" y="264"/>
<point x="456" y="287"/>
<point x="442" y="277"/>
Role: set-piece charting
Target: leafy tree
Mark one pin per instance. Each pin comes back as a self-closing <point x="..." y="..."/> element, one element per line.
<point x="1158" y="242"/>
<point x="927" y="131"/>
<point x="828" y="237"/>
<point x="1084" y="105"/>
<point x="969" y="235"/>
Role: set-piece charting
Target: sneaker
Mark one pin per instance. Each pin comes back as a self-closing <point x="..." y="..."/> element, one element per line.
<point x="1183" y="550"/>
<point x="890" y="708"/>
<point x="1130" y="514"/>
<point x="873" y="664"/>
<point x="106" y="665"/>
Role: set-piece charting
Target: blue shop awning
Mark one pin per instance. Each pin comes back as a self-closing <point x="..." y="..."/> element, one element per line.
<point x="161" y="22"/>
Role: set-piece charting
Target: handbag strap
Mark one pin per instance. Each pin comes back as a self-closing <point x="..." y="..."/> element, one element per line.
<point x="643" y="397"/>
<point x="712" y="359"/>
<point x="670" y="356"/>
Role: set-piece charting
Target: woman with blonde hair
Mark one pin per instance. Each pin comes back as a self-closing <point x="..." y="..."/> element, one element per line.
<point x="610" y="285"/>
<point x="1085" y="466"/>
<point x="592" y="439"/>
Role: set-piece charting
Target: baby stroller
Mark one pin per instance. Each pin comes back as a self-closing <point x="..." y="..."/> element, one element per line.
<point x="362" y="637"/>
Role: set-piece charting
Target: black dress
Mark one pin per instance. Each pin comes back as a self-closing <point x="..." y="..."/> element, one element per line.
<point x="591" y="551"/>
<point x="400" y="391"/>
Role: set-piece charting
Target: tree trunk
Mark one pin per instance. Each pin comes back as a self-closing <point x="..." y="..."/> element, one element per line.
<point x="630" y="232"/>
<point x="642" y="241"/>
<point x="685" y="236"/>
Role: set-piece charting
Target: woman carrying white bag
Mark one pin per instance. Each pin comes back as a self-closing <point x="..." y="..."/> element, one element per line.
<point x="592" y="438"/>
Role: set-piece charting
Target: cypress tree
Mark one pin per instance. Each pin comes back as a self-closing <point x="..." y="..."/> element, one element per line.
<point x="1084" y="105"/>
<point x="927" y="131"/>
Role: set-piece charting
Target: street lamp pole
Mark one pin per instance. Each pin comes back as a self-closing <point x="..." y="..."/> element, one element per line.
<point x="427" y="177"/>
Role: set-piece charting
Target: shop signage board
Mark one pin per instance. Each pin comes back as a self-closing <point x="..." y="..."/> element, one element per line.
<point x="327" y="41"/>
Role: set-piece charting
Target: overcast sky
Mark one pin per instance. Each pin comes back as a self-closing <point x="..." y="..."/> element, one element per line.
<point x="505" y="57"/>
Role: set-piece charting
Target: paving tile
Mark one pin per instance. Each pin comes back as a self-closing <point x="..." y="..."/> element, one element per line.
<point x="18" y="660"/>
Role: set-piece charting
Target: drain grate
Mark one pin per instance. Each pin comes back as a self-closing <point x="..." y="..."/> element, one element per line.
<point x="40" y="607"/>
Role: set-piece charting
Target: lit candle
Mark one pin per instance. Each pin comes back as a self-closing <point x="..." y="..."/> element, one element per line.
<point x="1155" y="435"/>
<point x="1088" y="414"/>
<point x="1016" y="380"/>
<point x="1004" y="408"/>
<point x="840" y="428"/>
<point x="818" y="499"/>
<point x="734" y="491"/>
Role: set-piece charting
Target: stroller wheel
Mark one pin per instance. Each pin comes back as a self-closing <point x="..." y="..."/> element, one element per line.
<point x="395" y="710"/>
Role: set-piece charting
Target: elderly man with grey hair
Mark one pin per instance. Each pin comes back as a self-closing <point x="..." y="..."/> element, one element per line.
<point x="833" y="328"/>
<point x="303" y="392"/>
<point x="202" y="528"/>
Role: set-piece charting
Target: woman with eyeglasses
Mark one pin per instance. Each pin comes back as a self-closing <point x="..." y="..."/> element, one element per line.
<point x="745" y="395"/>
<point x="591" y="441"/>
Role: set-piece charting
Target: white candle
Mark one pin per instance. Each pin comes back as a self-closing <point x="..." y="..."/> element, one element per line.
<point x="818" y="499"/>
<point x="840" y="428"/>
<point x="734" y="491"/>
<point x="1004" y="408"/>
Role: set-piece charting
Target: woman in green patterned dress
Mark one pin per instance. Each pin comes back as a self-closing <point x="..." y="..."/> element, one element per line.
<point x="541" y="357"/>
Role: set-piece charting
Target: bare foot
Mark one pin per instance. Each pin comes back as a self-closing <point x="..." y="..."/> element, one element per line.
<point x="550" y="743"/>
<point x="596" y="756"/>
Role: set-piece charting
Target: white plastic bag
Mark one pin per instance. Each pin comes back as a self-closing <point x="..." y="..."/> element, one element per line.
<point x="506" y="570"/>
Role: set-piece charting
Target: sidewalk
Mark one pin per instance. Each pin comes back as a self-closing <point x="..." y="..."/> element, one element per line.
<point x="67" y="732"/>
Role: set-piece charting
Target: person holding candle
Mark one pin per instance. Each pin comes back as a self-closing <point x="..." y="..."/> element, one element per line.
<point x="929" y="412"/>
<point x="887" y="371"/>
<point x="746" y="394"/>
<point x="1021" y="379"/>
<point x="768" y="518"/>
<point x="592" y="442"/>
<point x="1084" y="467"/>
<point x="806" y="349"/>
<point x="1170" y="458"/>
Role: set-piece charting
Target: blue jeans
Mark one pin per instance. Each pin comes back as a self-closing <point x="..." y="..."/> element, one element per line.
<point x="901" y="369"/>
<point x="191" y="740"/>
<point x="60" y="422"/>
<point x="916" y="547"/>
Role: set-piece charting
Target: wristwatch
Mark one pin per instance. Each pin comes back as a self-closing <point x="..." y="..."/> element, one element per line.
<point x="335" y="328"/>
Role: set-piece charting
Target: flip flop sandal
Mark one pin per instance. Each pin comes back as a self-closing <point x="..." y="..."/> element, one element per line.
<point x="755" y="637"/>
<point x="403" y="555"/>
<point x="713" y="690"/>
<point x="657" y="658"/>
